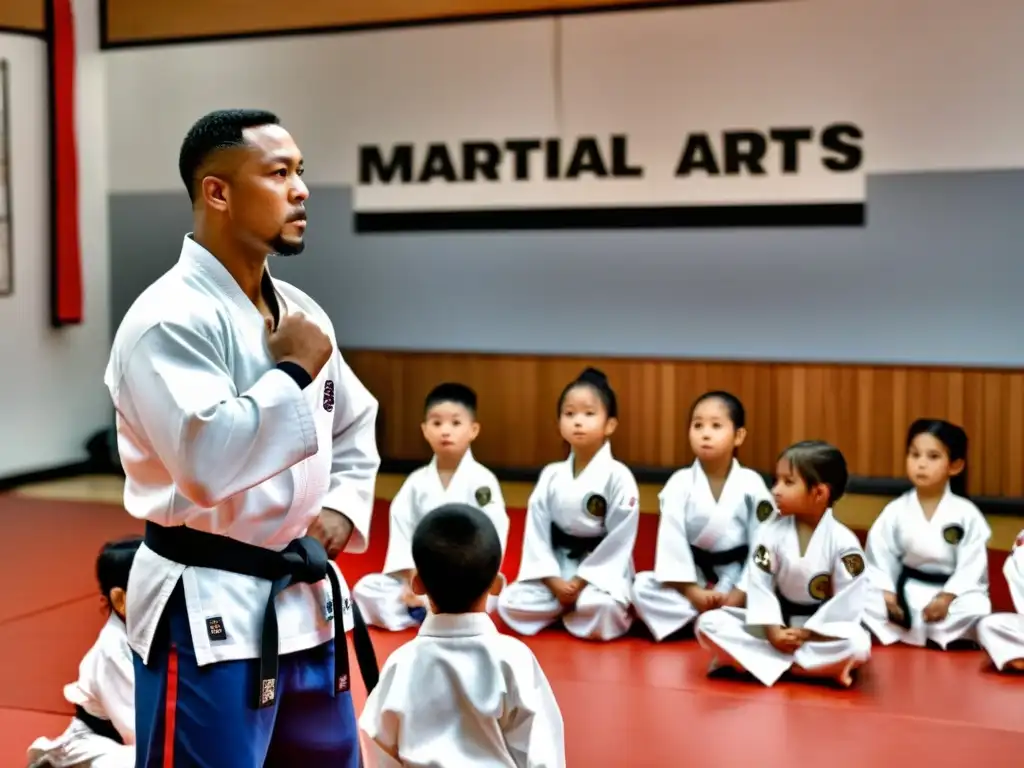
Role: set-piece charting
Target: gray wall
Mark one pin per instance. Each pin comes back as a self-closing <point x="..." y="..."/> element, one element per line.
<point x="935" y="277"/>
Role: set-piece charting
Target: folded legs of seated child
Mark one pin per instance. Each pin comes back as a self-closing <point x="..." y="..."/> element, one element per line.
<point x="805" y="582"/>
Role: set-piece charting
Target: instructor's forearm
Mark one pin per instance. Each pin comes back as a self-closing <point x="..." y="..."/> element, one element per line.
<point x="236" y="445"/>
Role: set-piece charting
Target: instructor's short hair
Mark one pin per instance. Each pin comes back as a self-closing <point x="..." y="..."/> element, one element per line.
<point x="213" y="132"/>
<point x="457" y="554"/>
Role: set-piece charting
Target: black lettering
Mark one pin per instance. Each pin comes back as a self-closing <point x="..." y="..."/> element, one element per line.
<point x="437" y="165"/>
<point x="744" y="148"/>
<point x="790" y="139"/>
<point x="620" y="159"/>
<point x="480" y="157"/>
<point x="586" y="158"/>
<point x="373" y="166"/>
<point x="552" y="158"/>
<point x="521" y="149"/>
<point x="842" y="139"/>
<point x="698" y="154"/>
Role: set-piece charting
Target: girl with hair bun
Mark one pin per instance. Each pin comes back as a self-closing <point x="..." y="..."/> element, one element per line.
<point x="581" y="525"/>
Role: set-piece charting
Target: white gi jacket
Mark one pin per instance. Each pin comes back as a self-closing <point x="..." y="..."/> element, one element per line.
<point x="212" y="435"/>
<point x="472" y="483"/>
<point x="691" y="517"/>
<point x="461" y="694"/>
<point x="105" y="689"/>
<point x="602" y="502"/>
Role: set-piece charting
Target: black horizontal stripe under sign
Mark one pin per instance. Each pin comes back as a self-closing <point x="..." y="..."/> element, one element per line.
<point x="660" y="217"/>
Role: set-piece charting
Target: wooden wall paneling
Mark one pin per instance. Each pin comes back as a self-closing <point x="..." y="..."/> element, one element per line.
<point x="865" y="410"/>
<point x="142" y="22"/>
<point x="27" y="16"/>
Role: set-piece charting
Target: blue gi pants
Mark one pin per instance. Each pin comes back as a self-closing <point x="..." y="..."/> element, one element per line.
<point x="192" y="717"/>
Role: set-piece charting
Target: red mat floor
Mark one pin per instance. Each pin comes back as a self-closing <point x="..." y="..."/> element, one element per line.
<point x="630" y="703"/>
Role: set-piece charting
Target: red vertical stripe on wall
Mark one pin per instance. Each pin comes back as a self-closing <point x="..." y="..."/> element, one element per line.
<point x="65" y="243"/>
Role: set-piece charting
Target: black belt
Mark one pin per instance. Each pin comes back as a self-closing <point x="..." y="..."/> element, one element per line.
<point x="710" y="562"/>
<point x="906" y="574"/>
<point x="303" y="561"/>
<point x="577" y="547"/>
<point x="791" y="609"/>
<point x="98" y="725"/>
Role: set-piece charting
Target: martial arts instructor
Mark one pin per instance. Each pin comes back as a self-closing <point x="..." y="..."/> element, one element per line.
<point x="249" y="449"/>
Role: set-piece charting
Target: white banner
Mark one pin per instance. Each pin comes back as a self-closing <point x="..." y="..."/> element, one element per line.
<point x="783" y="164"/>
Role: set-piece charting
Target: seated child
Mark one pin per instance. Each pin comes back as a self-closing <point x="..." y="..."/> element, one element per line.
<point x="102" y="732"/>
<point x="453" y="476"/>
<point x="710" y="512"/>
<point x="927" y="551"/>
<point x="1001" y="635"/>
<point x="581" y="525"/>
<point x="461" y="693"/>
<point x="805" y="583"/>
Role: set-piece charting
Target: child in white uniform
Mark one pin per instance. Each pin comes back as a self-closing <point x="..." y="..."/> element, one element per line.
<point x="805" y="583"/>
<point x="928" y="550"/>
<point x="460" y="693"/>
<point x="710" y="512"/>
<point x="102" y="732"/>
<point x="1001" y="635"/>
<point x="581" y="525"/>
<point x="450" y="426"/>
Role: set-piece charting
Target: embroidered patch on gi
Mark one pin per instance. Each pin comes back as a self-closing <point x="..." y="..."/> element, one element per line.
<point x="853" y="563"/>
<point x="483" y="496"/>
<point x="762" y="559"/>
<point x="215" y="629"/>
<point x="953" y="534"/>
<point x="328" y="395"/>
<point x="820" y="587"/>
<point x="596" y="506"/>
<point x="1019" y="542"/>
<point x="329" y="610"/>
<point x="764" y="510"/>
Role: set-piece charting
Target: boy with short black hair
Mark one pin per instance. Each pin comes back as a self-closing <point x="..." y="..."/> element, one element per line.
<point x="449" y="426"/>
<point x="460" y="693"/>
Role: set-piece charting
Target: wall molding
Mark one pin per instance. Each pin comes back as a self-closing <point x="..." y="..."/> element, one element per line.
<point x="106" y="43"/>
<point x="39" y="34"/>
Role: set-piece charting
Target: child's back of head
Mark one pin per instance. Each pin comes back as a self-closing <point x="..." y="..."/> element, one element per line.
<point x="457" y="554"/>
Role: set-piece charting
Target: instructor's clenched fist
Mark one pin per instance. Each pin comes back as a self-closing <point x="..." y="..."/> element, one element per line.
<point x="301" y="341"/>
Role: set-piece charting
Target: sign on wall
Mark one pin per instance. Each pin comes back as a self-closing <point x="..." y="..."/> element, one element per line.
<point x="790" y="176"/>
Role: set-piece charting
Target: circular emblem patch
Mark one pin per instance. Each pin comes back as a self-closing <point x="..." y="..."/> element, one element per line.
<point x="764" y="510"/>
<point x="483" y="496"/>
<point x="820" y="587"/>
<point x="953" y="534"/>
<point x="596" y="506"/>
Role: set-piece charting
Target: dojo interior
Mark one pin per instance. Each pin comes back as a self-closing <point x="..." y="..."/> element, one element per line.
<point x="840" y="330"/>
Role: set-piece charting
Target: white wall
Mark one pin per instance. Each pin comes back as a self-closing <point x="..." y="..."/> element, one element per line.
<point x="51" y="389"/>
<point x="933" y="84"/>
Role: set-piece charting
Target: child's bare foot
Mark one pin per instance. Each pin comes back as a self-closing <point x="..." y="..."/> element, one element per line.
<point x="846" y="676"/>
<point x="1017" y="665"/>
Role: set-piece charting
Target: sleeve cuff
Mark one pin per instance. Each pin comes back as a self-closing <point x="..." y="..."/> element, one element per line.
<point x="298" y="374"/>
